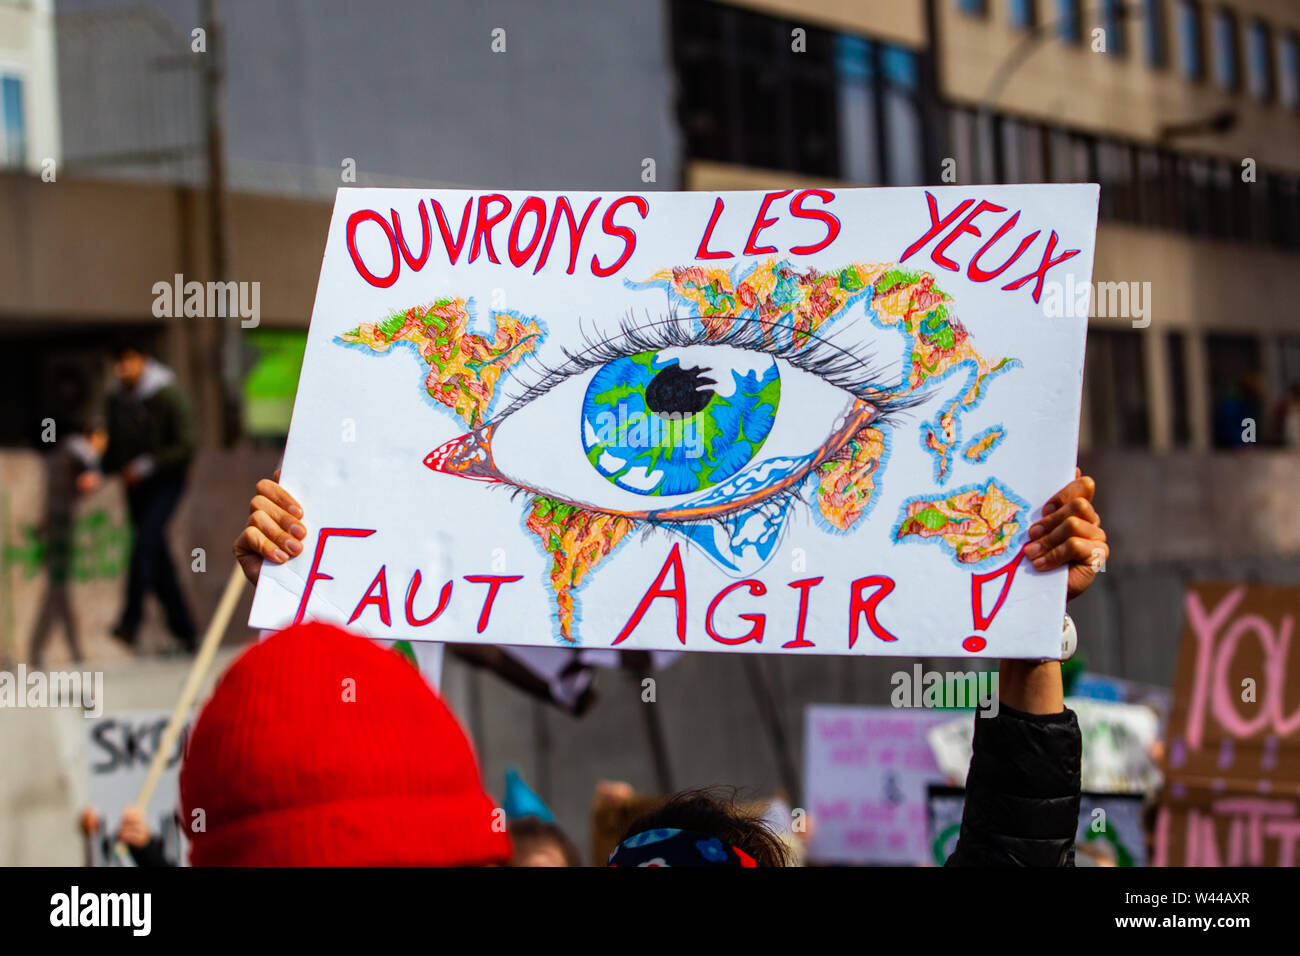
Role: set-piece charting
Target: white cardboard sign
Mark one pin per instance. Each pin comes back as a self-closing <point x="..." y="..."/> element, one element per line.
<point x="802" y="422"/>
<point x="119" y="748"/>
<point x="866" y="771"/>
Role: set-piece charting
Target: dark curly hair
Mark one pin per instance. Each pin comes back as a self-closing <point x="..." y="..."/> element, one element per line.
<point x="716" y="811"/>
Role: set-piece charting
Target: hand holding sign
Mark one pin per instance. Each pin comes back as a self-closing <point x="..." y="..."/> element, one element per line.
<point x="1070" y="532"/>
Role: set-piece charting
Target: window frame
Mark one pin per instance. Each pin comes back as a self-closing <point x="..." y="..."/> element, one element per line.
<point x="1258" y="28"/>
<point x="10" y="73"/>
<point x="1224" y="21"/>
<point x="1069" y="14"/>
<point x="1191" y="11"/>
<point x="1155" y="35"/>
<point x="1288" y="94"/>
<point x="1029" y="8"/>
<point x="1114" y="13"/>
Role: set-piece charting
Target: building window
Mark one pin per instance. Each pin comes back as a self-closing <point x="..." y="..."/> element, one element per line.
<point x="1191" y="40"/>
<point x="1180" y="426"/>
<point x="1116" y="171"/>
<point x="846" y="108"/>
<point x="745" y="97"/>
<point x="1160" y="188"/>
<point x="901" y="107"/>
<point x="1259" y="59"/>
<point x="1288" y="413"/>
<point x="1227" y="70"/>
<point x="1115" y="388"/>
<point x="1069" y="157"/>
<point x="1070" y="15"/>
<point x="961" y="144"/>
<point x="1115" y="23"/>
<point x="1022" y="152"/>
<point x="1289" y="64"/>
<point x="973" y="8"/>
<point x="1235" y="381"/>
<point x="704" y="80"/>
<point x="1286" y="209"/>
<point x="856" y="83"/>
<point x="1157" y="52"/>
<point x="1024" y="14"/>
<point x="1151" y="188"/>
<point x="13" y="124"/>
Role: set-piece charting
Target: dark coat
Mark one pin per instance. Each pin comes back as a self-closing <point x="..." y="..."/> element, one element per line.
<point x="150" y="426"/>
<point x="1022" y="791"/>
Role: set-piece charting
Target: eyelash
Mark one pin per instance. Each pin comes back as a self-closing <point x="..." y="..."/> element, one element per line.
<point x="815" y="354"/>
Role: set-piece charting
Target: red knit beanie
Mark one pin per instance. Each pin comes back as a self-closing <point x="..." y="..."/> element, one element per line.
<point x="320" y="748"/>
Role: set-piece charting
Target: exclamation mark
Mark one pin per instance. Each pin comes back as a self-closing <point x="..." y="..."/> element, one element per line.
<point x="977" y="642"/>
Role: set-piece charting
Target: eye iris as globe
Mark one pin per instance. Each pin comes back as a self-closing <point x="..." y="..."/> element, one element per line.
<point x="673" y="422"/>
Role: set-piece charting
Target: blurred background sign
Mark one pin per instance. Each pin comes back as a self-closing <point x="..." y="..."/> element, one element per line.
<point x="1233" y="753"/>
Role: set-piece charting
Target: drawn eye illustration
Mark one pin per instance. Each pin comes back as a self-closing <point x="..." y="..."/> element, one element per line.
<point x="669" y="423"/>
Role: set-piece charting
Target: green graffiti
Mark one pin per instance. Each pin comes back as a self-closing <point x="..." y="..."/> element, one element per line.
<point x="100" y="548"/>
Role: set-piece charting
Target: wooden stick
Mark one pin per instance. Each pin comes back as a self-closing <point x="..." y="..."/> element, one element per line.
<point x="198" y="671"/>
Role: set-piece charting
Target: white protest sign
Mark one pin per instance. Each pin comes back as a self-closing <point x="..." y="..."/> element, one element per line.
<point x="1110" y="830"/>
<point x="119" y="748"/>
<point x="1117" y="739"/>
<point x="802" y="421"/>
<point x="866" y="770"/>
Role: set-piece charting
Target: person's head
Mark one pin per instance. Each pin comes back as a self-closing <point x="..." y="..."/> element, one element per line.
<point x="704" y="827"/>
<point x="97" y="435"/>
<point x="320" y="748"/>
<point x="129" y="358"/>
<point x="538" y="843"/>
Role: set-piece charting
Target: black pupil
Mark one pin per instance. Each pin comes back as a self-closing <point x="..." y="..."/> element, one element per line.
<point x="676" y="391"/>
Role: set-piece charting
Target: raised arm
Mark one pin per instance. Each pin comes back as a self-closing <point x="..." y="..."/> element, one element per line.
<point x="1022" y="790"/>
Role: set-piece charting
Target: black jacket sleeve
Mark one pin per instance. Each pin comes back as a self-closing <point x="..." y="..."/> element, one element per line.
<point x="177" y="438"/>
<point x="1022" y="791"/>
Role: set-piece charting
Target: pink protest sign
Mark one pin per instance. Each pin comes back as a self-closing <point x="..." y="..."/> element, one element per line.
<point x="866" y="770"/>
<point x="1233" y="747"/>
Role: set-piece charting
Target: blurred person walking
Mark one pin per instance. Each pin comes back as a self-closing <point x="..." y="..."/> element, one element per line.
<point x="70" y="469"/>
<point x="151" y="442"/>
